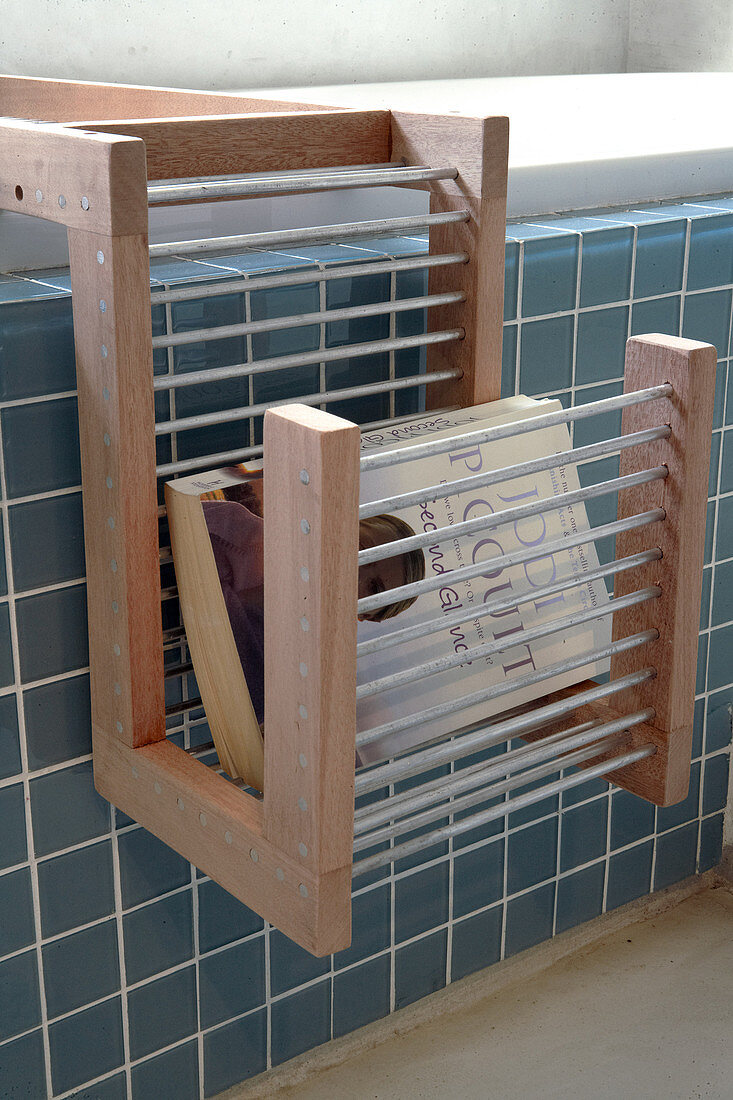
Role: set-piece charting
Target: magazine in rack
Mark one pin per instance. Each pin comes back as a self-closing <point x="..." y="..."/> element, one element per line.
<point x="217" y="536"/>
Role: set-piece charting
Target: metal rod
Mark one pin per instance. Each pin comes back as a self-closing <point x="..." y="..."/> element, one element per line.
<point x="453" y="706"/>
<point x="518" y="427"/>
<point x="303" y="278"/>
<point x="483" y="794"/>
<point x="201" y="750"/>
<point x="287" y="238"/>
<point x="181" y="708"/>
<point x="225" y="458"/>
<point x="297" y="320"/>
<point x="500" y="519"/>
<point x="517" y="557"/>
<point x="447" y="622"/>
<point x="300" y="359"/>
<point x="169" y="593"/>
<point x="277" y="174"/>
<point x="228" y="415"/>
<point x="523" y="637"/>
<point x="456" y="828"/>
<point x="177" y="670"/>
<point x="288" y="184"/>
<point x="521" y="469"/>
<point x="463" y="744"/>
<point x="443" y="788"/>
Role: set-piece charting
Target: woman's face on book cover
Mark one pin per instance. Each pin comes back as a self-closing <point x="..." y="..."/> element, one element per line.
<point x="378" y="576"/>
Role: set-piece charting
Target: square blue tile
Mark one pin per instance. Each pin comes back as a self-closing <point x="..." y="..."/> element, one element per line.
<point x="58" y="721"/>
<point x="670" y="816"/>
<point x="3" y="570"/>
<point x="170" y="1076"/>
<point x="41" y="446"/>
<point x="66" y="809"/>
<point x="725" y="528"/>
<point x="300" y="1022"/>
<point x="47" y="541"/>
<point x="478" y="878"/>
<point x="710" y="531"/>
<point x="603" y="426"/>
<point x="721" y="647"/>
<point x="12" y="814"/>
<point x="52" y="633"/>
<point x="223" y="918"/>
<point x="111" y="1088"/>
<point x="76" y="888"/>
<point x="705" y="594"/>
<point x="711" y="252"/>
<point x="549" y="277"/>
<point x="656" y="315"/>
<point x="158" y="936"/>
<point x="361" y="995"/>
<point x="234" y="1052"/>
<point x="20" y="1002"/>
<point x="546" y="357"/>
<point x="711" y="843"/>
<point x="232" y="981"/>
<point x="291" y="965"/>
<point x="676" y="856"/>
<point x="726" y="469"/>
<point x="509" y="361"/>
<point x="148" y="867"/>
<point x="370" y="926"/>
<point x="529" y="919"/>
<point x="723" y="595"/>
<point x="601" y="344"/>
<point x="707" y="318"/>
<point x="17" y="927"/>
<point x="420" y="968"/>
<point x="421" y="901"/>
<point x="715" y="444"/>
<point x="10" y="761"/>
<point x="580" y="897"/>
<point x="629" y="875"/>
<point x="698" y="721"/>
<point x="511" y="279"/>
<point x="7" y="674"/>
<point x="86" y="1045"/>
<point x="721" y="385"/>
<point x="606" y="266"/>
<point x="583" y="834"/>
<point x="38" y="333"/>
<point x="660" y="254"/>
<point x="532" y="855"/>
<point x="476" y="943"/>
<point x="715" y="787"/>
<point x="81" y="968"/>
<point x="23" y="1067"/>
<point x="719" y="717"/>
<point x="171" y="1003"/>
<point x="702" y="662"/>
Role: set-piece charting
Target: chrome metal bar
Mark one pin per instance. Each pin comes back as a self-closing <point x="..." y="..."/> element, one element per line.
<point x="169" y="593"/>
<point x="518" y="557"/>
<point x="463" y="744"/>
<point x="182" y="707"/>
<point x="169" y="646"/>
<point x="445" y="787"/>
<point x="486" y="649"/>
<point x="507" y="473"/>
<point x="225" y="458"/>
<point x="518" y="427"/>
<point x="297" y="320"/>
<point x="303" y="278"/>
<point x="447" y="622"/>
<point x="165" y="555"/>
<point x="484" y="794"/>
<point x="506" y="516"/>
<point x="288" y="184"/>
<point x="301" y="359"/>
<point x="177" y="670"/>
<point x="277" y="174"/>
<point x="201" y="750"/>
<point x="225" y="416"/>
<point x="454" y="706"/>
<point x="317" y="234"/>
<point x="456" y="828"/>
<point x="174" y="632"/>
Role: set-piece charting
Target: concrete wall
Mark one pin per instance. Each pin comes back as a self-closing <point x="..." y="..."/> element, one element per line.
<point x="685" y="36"/>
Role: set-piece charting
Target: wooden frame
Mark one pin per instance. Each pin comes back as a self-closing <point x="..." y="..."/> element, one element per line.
<point x="289" y="855"/>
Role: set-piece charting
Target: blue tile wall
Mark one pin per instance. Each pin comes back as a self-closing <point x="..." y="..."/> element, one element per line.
<point x="124" y="971"/>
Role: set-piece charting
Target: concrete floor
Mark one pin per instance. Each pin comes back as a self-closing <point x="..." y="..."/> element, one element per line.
<point x="645" y="1013"/>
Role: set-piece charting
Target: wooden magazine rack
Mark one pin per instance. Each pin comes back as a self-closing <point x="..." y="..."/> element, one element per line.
<point x="289" y="854"/>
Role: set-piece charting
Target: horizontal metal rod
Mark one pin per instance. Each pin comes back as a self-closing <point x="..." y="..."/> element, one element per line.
<point x="297" y="359"/>
<point x="170" y="646"/>
<point x="169" y="593"/>
<point x="165" y="555"/>
<point x="368" y="389"/>
<point x="201" y="750"/>
<point x="487" y="649"/>
<point x="275" y="174"/>
<point x="356" y="269"/>
<point x="225" y="458"/>
<point x="174" y="632"/>
<point x="491" y="607"/>
<point x="462" y="744"/>
<point x="506" y="516"/>
<point x="484" y="794"/>
<point x="177" y="670"/>
<point x="287" y="238"/>
<point x="465" y="779"/>
<point x="518" y="427"/>
<point x="182" y="707"/>
<point x="520" y="802"/>
<point x="517" y="557"/>
<point x="521" y="469"/>
<point x="244" y="187"/>
<point x="455" y="706"/>
<point x="297" y="320"/>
